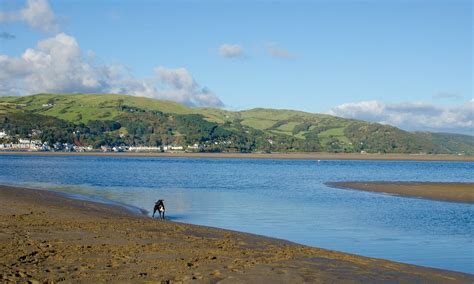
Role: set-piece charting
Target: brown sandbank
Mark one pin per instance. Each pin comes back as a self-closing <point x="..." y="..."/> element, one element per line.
<point x="289" y="156"/>
<point x="454" y="192"/>
<point x="48" y="237"/>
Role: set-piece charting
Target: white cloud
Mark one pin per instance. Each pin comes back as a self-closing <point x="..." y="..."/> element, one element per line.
<point x="278" y="52"/>
<point x="57" y="64"/>
<point x="231" y="50"/>
<point x="37" y="14"/>
<point x="179" y="84"/>
<point x="412" y="116"/>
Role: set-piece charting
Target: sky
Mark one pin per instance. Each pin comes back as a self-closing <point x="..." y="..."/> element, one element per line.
<point x="400" y="62"/>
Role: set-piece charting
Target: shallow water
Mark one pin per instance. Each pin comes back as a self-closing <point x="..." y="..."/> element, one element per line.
<point x="279" y="198"/>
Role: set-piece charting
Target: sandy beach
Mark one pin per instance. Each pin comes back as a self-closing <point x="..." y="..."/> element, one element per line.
<point x="453" y="192"/>
<point x="290" y="156"/>
<point x="47" y="237"/>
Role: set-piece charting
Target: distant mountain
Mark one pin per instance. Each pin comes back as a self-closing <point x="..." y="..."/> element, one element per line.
<point x="106" y="119"/>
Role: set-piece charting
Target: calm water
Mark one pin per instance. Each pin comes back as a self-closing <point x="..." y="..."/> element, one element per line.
<point x="279" y="198"/>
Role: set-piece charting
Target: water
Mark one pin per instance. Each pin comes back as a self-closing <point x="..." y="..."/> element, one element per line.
<point x="285" y="199"/>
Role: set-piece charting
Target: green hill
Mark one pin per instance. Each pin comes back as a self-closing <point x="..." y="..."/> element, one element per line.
<point x="85" y="107"/>
<point x="106" y="119"/>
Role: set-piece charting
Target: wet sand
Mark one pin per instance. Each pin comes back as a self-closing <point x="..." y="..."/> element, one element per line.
<point x="288" y="156"/>
<point x="48" y="237"/>
<point x="453" y="192"/>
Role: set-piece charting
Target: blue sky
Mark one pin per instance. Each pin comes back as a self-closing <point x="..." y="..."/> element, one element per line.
<point x="389" y="61"/>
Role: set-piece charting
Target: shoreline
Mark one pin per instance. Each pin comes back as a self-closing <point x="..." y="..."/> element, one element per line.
<point x="438" y="191"/>
<point x="278" y="156"/>
<point x="46" y="236"/>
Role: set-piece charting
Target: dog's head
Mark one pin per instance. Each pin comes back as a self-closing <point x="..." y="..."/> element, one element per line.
<point x="160" y="201"/>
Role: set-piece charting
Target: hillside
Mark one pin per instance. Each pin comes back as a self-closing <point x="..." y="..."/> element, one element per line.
<point x="106" y="119"/>
<point x="85" y="107"/>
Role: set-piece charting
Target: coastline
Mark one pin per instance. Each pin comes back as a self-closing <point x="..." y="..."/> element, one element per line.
<point x="448" y="191"/>
<point x="46" y="236"/>
<point x="278" y="156"/>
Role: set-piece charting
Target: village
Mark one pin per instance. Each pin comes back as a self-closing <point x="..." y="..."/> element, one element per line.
<point x="35" y="145"/>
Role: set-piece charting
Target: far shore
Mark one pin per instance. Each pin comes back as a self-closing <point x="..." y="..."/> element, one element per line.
<point x="450" y="191"/>
<point x="47" y="237"/>
<point x="289" y="156"/>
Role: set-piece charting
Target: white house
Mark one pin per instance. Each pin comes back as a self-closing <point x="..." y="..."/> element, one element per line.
<point x="168" y="148"/>
<point x="193" y="147"/>
<point x="144" y="148"/>
<point x="28" y="144"/>
<point x="3" y="134"/>
<point x="176" y="148"/>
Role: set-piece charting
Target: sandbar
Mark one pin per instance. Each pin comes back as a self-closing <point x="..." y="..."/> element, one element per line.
<point x="447" y="191"/>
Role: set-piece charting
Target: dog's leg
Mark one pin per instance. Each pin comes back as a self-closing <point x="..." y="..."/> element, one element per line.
<point x="154" y="211"/>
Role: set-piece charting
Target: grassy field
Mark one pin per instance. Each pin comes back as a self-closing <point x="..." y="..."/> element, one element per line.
<point x="337" y="133"/>
<point x="86" y="107"/>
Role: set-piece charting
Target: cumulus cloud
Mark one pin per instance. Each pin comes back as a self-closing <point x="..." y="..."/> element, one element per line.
<point x="278" y="52"/>
<point x="412" y="116"/>
<point x="57" y="64"/>
<point x="179" y="83"/>
<point x="5" y="35"/>
<point x="37" y="14"/>
<point x="231" y="50"/>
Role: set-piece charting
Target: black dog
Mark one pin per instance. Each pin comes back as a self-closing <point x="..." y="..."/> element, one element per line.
<point x="160" y="207"/>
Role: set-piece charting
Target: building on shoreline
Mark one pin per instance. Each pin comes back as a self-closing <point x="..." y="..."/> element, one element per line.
<point x="26" y="145"/>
